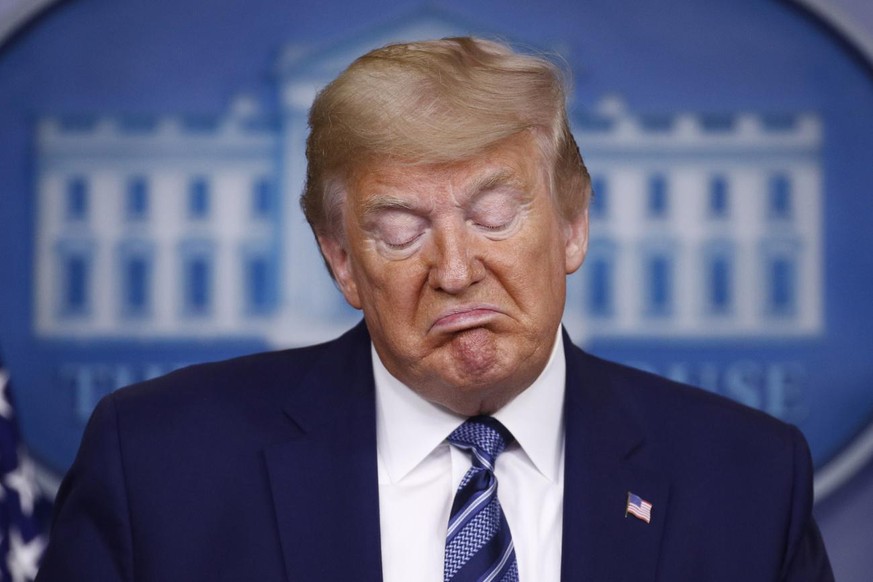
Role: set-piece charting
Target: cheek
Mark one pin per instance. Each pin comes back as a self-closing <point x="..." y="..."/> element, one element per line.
<point x="393" y="305"/>
<point x="535" y="264"/>
<point x="391" y="287"/>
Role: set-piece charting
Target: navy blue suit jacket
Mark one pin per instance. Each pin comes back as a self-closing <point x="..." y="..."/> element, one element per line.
<point x="264" y="468"/>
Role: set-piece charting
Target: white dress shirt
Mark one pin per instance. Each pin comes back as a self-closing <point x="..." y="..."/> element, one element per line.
<point x="419" y="473"/>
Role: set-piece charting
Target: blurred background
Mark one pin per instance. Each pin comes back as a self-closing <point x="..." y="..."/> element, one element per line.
<point x="151" y="155"/>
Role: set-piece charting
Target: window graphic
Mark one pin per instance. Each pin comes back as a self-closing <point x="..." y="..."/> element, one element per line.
<point x="599" y="206"/>
<point x="75" y="258"/>
<point x="781" y="270"/>
<point x="600" y="279"/>
<point x="782" y="279"/>
<point x="76" y="203"/>
<point x="719" y="272"/>
<point x="76" y="276"/>
<point x="719" y="203"/>
<point x="658" y="204"/>
<point x="198" y="198"/>
<point x="197" y="278"/>
<point x="779" y="201"/>
<point x="137" y="199"/>
<point x="263" y="198"/>
<point x="260" y="282"/>
<point x="659" y="284"/>
<point x="136" y="279"/>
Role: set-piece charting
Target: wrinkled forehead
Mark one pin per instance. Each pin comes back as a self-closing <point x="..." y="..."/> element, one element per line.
<point x="516" y="162"/>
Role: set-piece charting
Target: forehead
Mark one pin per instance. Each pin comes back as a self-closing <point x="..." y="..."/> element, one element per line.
<point x="516" y="163"/>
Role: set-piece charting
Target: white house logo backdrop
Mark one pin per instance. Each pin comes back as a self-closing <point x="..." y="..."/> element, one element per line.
<point x="154" y="223"/>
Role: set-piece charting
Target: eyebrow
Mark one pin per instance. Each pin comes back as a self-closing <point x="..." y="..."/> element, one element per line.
<point x="380" y="203"/>
<point x="502" y="177"/>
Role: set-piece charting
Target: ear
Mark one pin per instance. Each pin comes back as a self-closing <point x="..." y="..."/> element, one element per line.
<point x="576" y="243"/>
<point x="341" y="266"/>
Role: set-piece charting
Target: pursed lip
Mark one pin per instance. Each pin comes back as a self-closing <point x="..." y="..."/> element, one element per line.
<point x="464" y="317"/>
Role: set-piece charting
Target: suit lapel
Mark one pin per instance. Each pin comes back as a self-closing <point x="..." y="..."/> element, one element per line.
<point x="324" y="483"/>
<point x="606" y="457"/>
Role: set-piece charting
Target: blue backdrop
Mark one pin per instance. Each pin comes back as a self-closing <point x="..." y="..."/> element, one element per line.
<point x="110" y="111"/>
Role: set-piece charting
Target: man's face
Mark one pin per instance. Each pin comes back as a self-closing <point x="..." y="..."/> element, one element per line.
<point x="460" y="271"/>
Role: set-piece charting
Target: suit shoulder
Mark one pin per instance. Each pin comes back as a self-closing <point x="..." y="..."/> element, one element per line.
<point x="260" y="373"/>
<point x="678" y="411"/>
<point x="248" y="393"/>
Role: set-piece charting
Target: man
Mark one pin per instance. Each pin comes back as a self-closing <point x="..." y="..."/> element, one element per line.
<point x="450" y="203"/>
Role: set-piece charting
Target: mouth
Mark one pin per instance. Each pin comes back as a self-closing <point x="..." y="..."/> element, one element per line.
<point x="463" y="318"/>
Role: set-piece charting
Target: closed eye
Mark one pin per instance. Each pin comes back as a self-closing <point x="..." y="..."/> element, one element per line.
<point x="398" y="246"/>
<point x="396" y="231"/>
<point x="496" y="227"/>
<point x="498" y="211"/>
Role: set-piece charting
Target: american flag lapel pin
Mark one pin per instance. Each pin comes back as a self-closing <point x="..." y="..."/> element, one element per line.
<point x="638" y="507"/>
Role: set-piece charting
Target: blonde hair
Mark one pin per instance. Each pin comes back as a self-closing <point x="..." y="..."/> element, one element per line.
<point x="431" y="102"/>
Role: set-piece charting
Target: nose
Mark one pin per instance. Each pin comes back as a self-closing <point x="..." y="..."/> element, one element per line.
<point x="455" y="265"/>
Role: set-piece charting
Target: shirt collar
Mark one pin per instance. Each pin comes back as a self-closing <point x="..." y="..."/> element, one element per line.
<point x="409" y="428"/>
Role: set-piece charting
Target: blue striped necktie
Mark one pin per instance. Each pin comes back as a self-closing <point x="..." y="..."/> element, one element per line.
<point x="478" y="543"/>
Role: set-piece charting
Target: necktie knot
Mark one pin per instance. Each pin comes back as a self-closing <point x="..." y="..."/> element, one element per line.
<point x="485" y="436"/>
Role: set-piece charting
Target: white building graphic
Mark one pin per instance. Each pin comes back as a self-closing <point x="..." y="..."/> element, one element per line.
<point x="167" y="227"/>
<point x="701" y="226"/>
<point x="158" y="227"/>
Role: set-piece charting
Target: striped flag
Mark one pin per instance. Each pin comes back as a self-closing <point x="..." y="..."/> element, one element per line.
<point x="22" y="540"/>
<point x="638" y="507"/>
